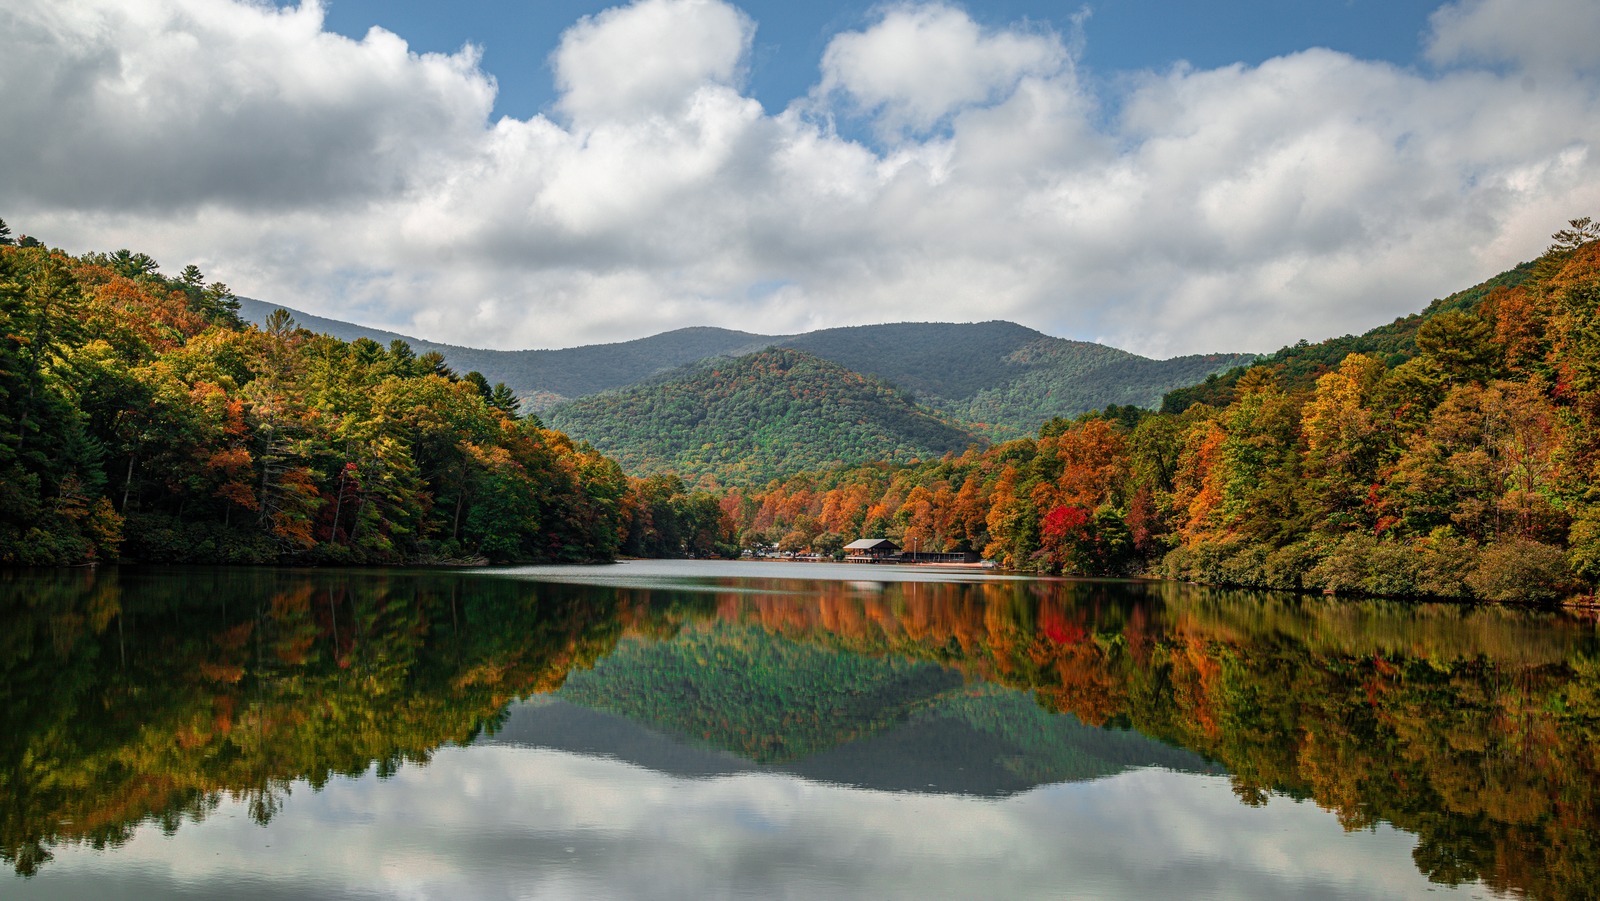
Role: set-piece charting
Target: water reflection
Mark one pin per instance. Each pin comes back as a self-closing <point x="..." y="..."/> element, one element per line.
<point x="786" y="717"/>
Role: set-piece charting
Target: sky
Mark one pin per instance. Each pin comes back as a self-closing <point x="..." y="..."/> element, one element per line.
<point x="1161" y="176"/>
<point x="782" y="66"/>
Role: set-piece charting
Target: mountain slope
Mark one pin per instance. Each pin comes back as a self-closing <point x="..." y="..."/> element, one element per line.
<point x="581" y="371"/>
<point x="1065" y="378"/>
<point x="1004" y="378"/>
<point x="546" y="377"/>
<point x="1298" y="366"/>
<point x="761" y="416"/>
<point x="946" y="360"/>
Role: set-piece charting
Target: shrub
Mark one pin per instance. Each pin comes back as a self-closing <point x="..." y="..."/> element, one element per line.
<point x="1517" y="569"/>
<point x="1361" y="564"/>
<point x="158" y="538"/>
<point x="1239" y="563"/>
<point x="1344" y="568"/>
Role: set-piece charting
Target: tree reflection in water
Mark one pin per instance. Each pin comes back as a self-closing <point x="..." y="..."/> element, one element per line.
<point x="141" y="696"/>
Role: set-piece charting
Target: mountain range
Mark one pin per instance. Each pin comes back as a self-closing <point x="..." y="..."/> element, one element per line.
<point x="683" y="400"/>
<point x="737" y="408"/>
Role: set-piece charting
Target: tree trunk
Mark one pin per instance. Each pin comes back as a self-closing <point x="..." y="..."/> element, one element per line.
<point x="338" y="504"/>
<point x="127" y="485"/>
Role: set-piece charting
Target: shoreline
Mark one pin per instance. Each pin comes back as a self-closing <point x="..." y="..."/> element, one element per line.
<point x="1588" y="605"/>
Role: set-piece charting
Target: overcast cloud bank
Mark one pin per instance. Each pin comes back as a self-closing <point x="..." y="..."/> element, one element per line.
<point x="1179" y="211"/>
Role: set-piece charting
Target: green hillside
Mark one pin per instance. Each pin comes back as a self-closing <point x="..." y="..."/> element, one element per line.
<point x="1002" y="378"/>
<point x="1298" y="366"/>
<point x="1066" y="378"/>
<point x="937" y="359"/>
<point x="750" y="419"/>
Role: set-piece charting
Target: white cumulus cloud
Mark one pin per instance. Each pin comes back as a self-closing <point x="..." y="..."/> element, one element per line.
<point x="1185" y="210"/>
<point x="918" y="64"/>
<point x="187" y="103"/>
<point x="649" y="59"/>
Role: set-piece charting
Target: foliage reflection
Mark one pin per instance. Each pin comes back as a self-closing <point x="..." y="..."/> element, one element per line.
<point x="141" y="696"/>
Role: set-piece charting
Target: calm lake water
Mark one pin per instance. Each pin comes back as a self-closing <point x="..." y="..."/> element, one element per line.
<point x="750" y="730"/>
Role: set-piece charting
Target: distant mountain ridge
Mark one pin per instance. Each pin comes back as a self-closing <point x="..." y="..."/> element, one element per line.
<point x="547" y="377"/>
<point x="1000" y="378"/>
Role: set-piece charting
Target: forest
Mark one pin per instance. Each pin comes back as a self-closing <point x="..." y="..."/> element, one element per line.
<point x="750" y="419"/>
<point x="1451" y="454"/>
<point x="142" y="420"/>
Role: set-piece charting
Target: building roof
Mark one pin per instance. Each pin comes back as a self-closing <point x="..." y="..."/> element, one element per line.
<point x="871" y="544"/>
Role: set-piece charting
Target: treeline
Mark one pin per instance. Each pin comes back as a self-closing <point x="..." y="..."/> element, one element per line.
<point x="1462" y="461"/>
<point x="141" y="419"/>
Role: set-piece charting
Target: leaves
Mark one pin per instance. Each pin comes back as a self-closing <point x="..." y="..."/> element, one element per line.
<point x="1458" y="456"/>
<point x="131" y="396"/>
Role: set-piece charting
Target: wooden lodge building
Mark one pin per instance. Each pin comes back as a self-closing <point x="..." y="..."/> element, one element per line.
<point x="882" y="550"/>
<point x="871" y="550"/>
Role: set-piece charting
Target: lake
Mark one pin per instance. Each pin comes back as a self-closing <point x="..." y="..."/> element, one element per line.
<point x="766" y="730"/>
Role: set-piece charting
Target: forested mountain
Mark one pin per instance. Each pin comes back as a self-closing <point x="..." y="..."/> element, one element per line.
<point x="143" y="420"/>
<point x="932" y="359"/>
<point x="1460" y="457"/>
<point x="746" y="420"/>
<point x="1065" y="378"/>
<point x="1001" y="378"/>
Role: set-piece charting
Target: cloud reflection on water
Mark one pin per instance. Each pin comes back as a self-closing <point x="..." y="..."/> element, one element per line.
<point x="514" y="822"/>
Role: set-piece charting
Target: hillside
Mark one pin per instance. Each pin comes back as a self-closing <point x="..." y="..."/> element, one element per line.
<point x="1066" y="378"/>
<point x="1456" y="457"/>
<point x="546" y="377"/>
<point x="1298" y="366"/>
<point x="750" y="419"/>
<point x="142" y="422"/>
<point x="944" y="360"/>
<point x="1002" y="378"/>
